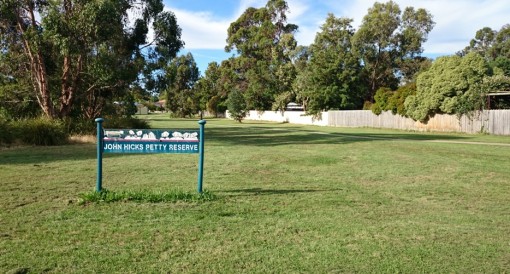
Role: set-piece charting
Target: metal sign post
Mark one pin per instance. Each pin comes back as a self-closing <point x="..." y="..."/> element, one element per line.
<point x="201" y="155"/>
<point x="99" y="179"/>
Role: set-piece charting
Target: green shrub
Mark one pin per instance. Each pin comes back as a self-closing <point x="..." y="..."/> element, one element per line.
<point x="236" y="105"/>
<point x="80" y="126"/>
<point x="40" y="132"/>
<point x="386" y="99"/>
<point x="367" y="105"/>
<point x="397" y="101"/>
<point x="125" y="122"/>
<point x="382" y="98"/>
<point x="6" y="132"/>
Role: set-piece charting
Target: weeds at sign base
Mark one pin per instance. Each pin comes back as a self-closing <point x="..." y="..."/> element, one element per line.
<point x="144" y="196"/>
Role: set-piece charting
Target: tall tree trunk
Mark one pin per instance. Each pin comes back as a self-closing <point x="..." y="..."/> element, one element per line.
<point x="69" y="84"/>
<point x="37" y="66"/>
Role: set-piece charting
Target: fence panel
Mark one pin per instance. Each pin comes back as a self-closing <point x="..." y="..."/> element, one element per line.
<point x="490" y="121"/>
<point x="499" y="122"/>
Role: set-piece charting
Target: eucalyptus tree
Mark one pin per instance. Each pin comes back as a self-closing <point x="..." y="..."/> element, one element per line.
<point x="263" y="41"/>
<point x="490" y="43"/>
<point x="331" y="77"/>
<point x="212" y="95"/>
<point x="389" y="44"/>
<point x="501" y="46"/>
<point x="85" y="51"/>
<point x="16" y="97"/>
<point x="182" y="74"/>
<point x="494" y="46"/>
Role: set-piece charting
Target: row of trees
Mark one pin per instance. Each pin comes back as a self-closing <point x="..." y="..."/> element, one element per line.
<point x="76" y="57"/>
<point x="342" y="69"/>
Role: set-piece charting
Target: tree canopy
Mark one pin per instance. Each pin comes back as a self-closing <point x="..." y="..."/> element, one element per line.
<point x="331" y="77"/>
<point x="264" y="41"/>
<point x="182" y="73"/>
<point x="389" y="44"/>
<point x="77" y="58"/>
<point x="452" y="85"/>
<point x="81" y="53"/>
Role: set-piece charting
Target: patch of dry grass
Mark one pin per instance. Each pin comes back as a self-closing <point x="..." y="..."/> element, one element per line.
<point x="82" y="139"/>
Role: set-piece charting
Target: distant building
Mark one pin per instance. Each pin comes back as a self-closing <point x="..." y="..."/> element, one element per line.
<point x="141" y="109"/>
<point x="294" y="107"/>
<point x="160" y="104"/>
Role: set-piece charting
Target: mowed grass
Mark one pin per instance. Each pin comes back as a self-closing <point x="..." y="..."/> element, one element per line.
<point x="289" y="199"/>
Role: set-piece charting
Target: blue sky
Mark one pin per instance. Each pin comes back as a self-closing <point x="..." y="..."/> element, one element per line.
<point x="204" y="23"/>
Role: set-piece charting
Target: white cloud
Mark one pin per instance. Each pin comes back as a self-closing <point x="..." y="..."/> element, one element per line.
<point x="457" y="22"/>
<point x="201" y="30"/>
<point x="244" y="4"/>
<point x="308" y="19"/>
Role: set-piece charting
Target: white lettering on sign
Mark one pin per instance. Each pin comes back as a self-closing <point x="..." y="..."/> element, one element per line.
<point x="186" y="147"/>
<point x="133" y="147"/>
<point x="150" y="147"/>
<point x="113" y="146"/>
<point x="155" y="147"/>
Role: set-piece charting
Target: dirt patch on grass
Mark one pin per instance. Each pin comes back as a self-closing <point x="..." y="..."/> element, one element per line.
<point x="82" y="139"/>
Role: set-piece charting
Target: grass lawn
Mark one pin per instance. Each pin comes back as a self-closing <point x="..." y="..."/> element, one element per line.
<point x="289" y="198"/>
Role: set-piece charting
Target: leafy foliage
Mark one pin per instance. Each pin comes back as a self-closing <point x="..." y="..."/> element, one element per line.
<point x="490" y="44"/>
<point x="236" y="105"/>
<point x="382" y="100"/>
<point x="394" y="101"/>
<point x="40" y="131"/>
<point x="82" y="54"/>
<point x="6" y="132"/>
<point x="182" y="73"/>
<point x="389" y="43"/>
<point x="214" y="87"/>
<point x="331" y="77"/>
<point x="452" y="85"/>
<point x="264" y="41"/>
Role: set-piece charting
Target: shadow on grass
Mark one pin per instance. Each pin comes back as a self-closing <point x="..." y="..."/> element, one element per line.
<point x="260" y="191"/>
<point x="253" y="134"/>
<point x="274" y="136"/>
<point x="37" y="155"/>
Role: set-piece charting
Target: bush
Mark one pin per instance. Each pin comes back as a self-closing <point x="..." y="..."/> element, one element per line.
<point x="382" y="98"/>
<point x="125" y="122"/>
<point x="397" y="101"/>
<point x="236" y="105"/>
<point x="6" y="132"/>
<point x="46" y="132"/>
<point x="385" y="99"/>
<point x="40" y="132"/>
<point x="80" y="126"/>
<point x="367" y="105"/>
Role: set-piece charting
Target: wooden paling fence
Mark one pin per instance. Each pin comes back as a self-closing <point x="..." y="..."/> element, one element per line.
<point x="488" y="121"/>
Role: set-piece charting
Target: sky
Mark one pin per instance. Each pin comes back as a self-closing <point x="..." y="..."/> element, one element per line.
<point x="204" y="23"/>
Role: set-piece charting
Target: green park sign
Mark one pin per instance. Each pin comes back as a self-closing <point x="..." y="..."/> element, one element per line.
<point x="149" y="141"/>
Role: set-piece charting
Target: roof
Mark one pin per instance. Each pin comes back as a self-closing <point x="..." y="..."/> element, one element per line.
<point x="496" y="93"/>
